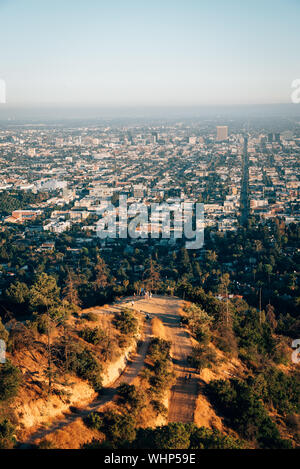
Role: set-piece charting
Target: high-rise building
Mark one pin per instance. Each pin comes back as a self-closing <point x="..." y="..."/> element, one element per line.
<point x="274" y="137"/>
<point x="154" y="137"/>
<point x="222" y="132"/>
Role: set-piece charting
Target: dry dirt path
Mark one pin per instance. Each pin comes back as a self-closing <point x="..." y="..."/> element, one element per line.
<point x="183" y="393"/>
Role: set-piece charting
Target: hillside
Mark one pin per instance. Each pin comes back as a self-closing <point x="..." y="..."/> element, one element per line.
<point x="88" y="350"/>
<point x="194" y="372"/>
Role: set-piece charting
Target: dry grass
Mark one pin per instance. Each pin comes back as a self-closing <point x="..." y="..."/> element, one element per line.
<point x="158" y="329"/>
<point x="73" y="436"/>
<point x="32" y="406"/>
<point x="205" y="415"/>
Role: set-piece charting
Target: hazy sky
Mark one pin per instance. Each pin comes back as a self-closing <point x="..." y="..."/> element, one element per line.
<point x="149" y="52"/>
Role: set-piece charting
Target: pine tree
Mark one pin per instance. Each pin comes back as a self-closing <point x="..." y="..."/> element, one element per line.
<point x="44" y="294"/>
<point x="271" y="318"/>
<point x="70" y="291"/>
<point x="101" y="272"/>
<point x="152" y="277"/>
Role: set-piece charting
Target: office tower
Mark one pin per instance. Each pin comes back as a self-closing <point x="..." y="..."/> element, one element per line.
<point x="270" y="137"/>
<point x="222" y="132"/>
<point x="154" y="137"/>
<point x="277" y="137"/>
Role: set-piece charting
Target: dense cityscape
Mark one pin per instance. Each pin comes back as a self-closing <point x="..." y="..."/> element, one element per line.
<point x="81" y="168"/>
<point x="239" y="291"/>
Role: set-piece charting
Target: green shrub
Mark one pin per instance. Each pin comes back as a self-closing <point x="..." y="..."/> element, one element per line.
<point x="120" y="432"/>
<point x="89" y="368"/>
<point x="81" y="361"/>
<point x="205" y="438"/>
<point x="255" y="336"/>
<point x="94" y="420"/>
<point x="244" y="411"/>
<point x="41" y="322"/>
<point x="118" y="429"/>
<point x="7" y="431"/>
<point x="92" y="317"/>
<point x="159" y="374"/>
<point x="126" y="322"/>
<point x="93" y="335"/>
<point x="202" y="357"/>
<point x="172" y="436"/>
<point x="159" y="349"/>
<point x="278" y="389"/>
<point x="10" y="379"/>
<point x="199" y="323"/>
<point x="130" y="397"/>
<point x="17" y="293"/>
